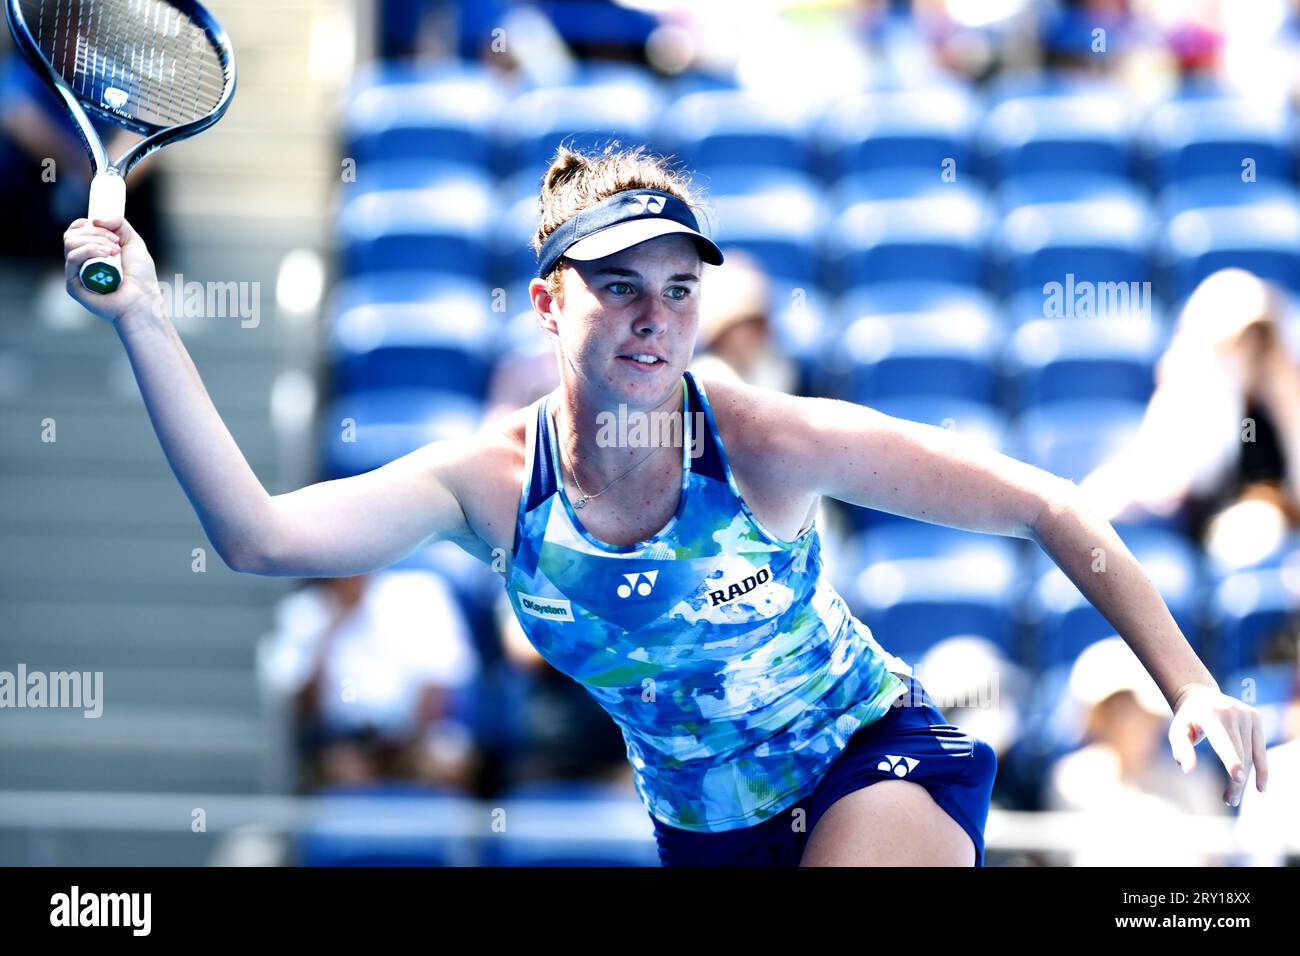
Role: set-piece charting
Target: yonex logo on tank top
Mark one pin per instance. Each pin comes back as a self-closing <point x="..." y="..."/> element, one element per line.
<point x="643" y="582"/>
<point x="761" y="674"/>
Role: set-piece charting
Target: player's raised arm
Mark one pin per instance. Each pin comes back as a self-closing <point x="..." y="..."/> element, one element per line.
<point x="331" y="529"/>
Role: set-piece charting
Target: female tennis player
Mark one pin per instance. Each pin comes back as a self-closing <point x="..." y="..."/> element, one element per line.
<point x="682" y="584"/>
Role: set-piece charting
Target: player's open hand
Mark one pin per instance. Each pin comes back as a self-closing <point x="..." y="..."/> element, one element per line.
<point x="87" y="240"/>
<point x="1234" y="729"/>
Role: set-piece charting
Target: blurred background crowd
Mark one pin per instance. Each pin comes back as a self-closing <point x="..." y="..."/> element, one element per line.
<point x="1068" y="230"/>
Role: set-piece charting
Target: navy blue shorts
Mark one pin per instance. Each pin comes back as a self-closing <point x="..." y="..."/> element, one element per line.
<point x="912" y="741"/>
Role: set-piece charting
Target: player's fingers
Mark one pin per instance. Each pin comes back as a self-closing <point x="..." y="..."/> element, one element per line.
<point x="1182" y="741"/>
<point x="1228" y="751"/>
<point x="1239" y="730"/>
<point x="1260" y="751"/>
<point x="119" y="225"/>
<point x="84" y="253"/>
<point x="74" y="238"/>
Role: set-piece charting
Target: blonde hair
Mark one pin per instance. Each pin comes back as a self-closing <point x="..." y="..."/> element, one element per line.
<point x="576" y="180"/>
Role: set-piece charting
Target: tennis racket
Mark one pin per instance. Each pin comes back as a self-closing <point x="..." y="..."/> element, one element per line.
<point x="161" y="68"/>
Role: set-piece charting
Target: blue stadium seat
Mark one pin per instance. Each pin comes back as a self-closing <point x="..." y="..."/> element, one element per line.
<point x="531" y="841"/>
<point x="799" y="317"/>
<point x="881" y="356"/>
<point x="1246" y="610"/>
<point x="1212" y="135"/>
<point x="347" y="828"/>
<point x="584" y="116"/>
<point x="368" y="430"/>
<point x="736" y="127"/>
<point x="389" y="287"/>
<point x="1071" y="301"/>
<point x="1062" y="620"/>
<point x="1262" y="237"/>
<point x="443" y="175"/>
<point x="920" y="583"/>
<point x="1085" y="130"/>
<point x="1073" y="438"/>
<point x="1039" y="188"/>
<point x="515" y="227"/>
<point x="1205" y="192"/>
<point x="441" y="230"/>
<point x="446" y="342"/>
<point x="1049" y="360"/>
<point x="421" y="113"/>
<point x="697" y="80"/>
<point x="586" y="22"/>
<point x="910" y="183"/>
<point x="922" y="128"/>
<point x="959" y="303"/>
<point x="1099" y="241"/>
<point x="773" y="214"/>
<point x="937" y="234"/>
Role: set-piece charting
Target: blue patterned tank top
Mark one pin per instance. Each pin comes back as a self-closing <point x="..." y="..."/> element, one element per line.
<point x="735" y="671"/>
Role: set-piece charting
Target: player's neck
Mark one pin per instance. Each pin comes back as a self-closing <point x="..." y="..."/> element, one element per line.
<point x="603" y="439"/>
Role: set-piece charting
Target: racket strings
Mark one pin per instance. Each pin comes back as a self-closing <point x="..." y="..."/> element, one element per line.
<point x="142" y="58"/>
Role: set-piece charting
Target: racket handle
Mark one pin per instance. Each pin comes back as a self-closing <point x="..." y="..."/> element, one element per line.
<point x="107" y="201"/>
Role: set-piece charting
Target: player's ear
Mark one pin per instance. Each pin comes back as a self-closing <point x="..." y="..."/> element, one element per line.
<point x="545" y="305"/>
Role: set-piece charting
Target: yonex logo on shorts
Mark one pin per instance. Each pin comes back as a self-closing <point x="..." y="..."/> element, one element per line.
<point x="898" y="766"/>
<point x="737" y="589"/>
<point x="551" y="609"/>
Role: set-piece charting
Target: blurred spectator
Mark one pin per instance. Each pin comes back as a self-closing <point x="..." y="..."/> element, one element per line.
<point x="1139" y="804"/>
<point x="566" y="734"/>
<point x="735" y="338"/>
<point x="1222" y="429"/>
<point x="378" y="667"/>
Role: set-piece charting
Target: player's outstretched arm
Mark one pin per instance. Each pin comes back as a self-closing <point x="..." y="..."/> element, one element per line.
<point x="864" y="457"/>
<point x="330" y="529"/>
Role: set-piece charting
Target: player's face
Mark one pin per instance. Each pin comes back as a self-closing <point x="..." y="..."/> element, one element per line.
<point x="643" y="300"/>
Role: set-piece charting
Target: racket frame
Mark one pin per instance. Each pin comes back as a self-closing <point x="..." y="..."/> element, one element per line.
<point x="108" y="184"/>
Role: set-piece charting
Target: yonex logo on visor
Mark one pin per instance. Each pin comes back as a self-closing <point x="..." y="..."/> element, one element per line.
<point x="620" y="221"/>
<point x="652" y="203"/>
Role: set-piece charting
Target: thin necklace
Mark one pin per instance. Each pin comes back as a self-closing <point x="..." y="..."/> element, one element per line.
<point x="582" y="502"/>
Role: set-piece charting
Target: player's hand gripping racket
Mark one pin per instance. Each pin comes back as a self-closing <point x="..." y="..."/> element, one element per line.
<point x="160" y="68"/>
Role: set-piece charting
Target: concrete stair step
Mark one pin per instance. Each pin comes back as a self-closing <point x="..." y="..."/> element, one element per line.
<point x="93" y="564"/>
<point x="92" y="634"/>
<point x="111" y="441"/>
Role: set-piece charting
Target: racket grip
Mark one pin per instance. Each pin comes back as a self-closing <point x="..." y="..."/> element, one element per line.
<point x="107" y="201"/>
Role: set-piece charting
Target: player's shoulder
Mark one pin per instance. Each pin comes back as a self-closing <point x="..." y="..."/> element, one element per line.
<point x="488" y="472"/>
<point x="760" y="427"/>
